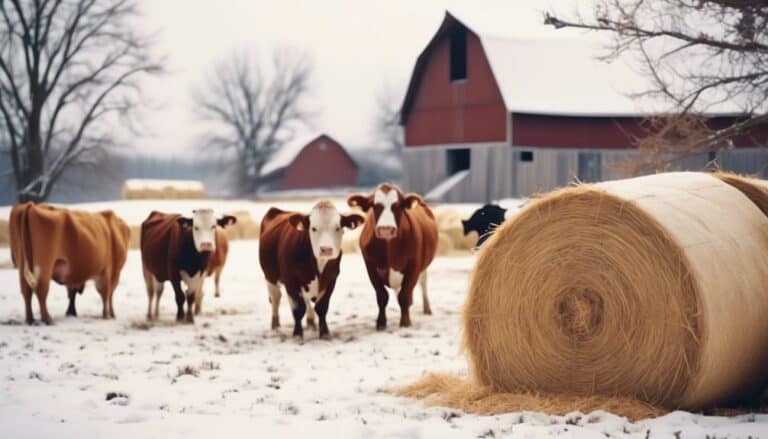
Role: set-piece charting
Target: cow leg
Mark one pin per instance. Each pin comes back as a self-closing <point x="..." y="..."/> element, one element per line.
<point x="149" y="282"/>
<point x="310" y="314"/>
<point x="191" y="294"/>
<point x="198" y="301"/>
<point x="274" y="299"/>
<point x="26" y="293"/>
<point x="102" y="286"/>
<point x="71" y="293"/>
<point x="43" y="284"/>
<point x="158" y="288"/>
<point x="299" y="307"/>
<point x="382" y="297"/>
<point x="405" y="299"/>
<point x="216" y="278"/>
<point x="179" y="299"/>
<point x="424" y="298"/>
<point x="322" y="312"/>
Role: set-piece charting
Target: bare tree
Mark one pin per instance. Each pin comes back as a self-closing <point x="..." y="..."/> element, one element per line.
<point x="68" y="71"/>
<point x="387" y="127"/>
<point x="697" y="55"/>
<point x="255" y="109"/>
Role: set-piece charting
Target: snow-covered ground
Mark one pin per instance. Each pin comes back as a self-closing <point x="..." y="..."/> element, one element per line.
<point x="229" y="375"/>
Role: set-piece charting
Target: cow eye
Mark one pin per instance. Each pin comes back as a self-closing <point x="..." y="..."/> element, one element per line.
<point x="314" y="229"/>
<point x="197" y="228"/>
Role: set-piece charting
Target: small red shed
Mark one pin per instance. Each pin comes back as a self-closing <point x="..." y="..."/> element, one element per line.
<point x="309" y="162"/>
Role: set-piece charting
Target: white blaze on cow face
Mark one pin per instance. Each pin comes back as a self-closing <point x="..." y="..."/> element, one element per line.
<point x="325" y="232"/>
<point x="204" y="230"/>
<point x="386" y="226"/>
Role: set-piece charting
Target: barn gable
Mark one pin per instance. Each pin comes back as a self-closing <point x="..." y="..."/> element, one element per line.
<point x="453" y="96"/>
<point x="316" y="161"/>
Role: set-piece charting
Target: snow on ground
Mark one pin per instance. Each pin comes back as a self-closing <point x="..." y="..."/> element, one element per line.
<point x="230" y="375"/>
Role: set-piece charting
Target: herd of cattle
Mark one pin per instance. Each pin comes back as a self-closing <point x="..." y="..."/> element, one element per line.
<point x="300" y="252"/>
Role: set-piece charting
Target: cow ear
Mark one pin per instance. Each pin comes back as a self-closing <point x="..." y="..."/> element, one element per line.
<point x="412" y="198"/>
<point x="226" y="220"/>
<point x="360" y="200"/>
<point x="299" y="221"/>
<point x="351" y="220"/>
<point x="184" y="222"/>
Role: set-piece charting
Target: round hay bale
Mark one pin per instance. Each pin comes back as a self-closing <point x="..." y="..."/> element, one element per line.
<point x="5" y="234"/>
<point x="444" y="245"/>
<point x="652" y="287"/>
<point x="626" y="296"/>
<point x="449" y="224"/>
<point x="134" y="241"/>
<point x="754" y="188"/>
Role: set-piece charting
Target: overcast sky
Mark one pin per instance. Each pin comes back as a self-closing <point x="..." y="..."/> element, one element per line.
<point x="358" y="47"/>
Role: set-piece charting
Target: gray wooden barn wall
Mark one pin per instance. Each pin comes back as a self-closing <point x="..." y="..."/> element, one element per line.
<point x="497" y="172"/>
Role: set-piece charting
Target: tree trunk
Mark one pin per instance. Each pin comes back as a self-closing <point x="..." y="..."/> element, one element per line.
<point x="32" y="159"/>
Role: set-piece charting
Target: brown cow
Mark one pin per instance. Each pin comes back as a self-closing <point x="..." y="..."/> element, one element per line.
<point x="398" y="243"/>
<point x="303" y="252"/>
<point x="69" y="247"/>
<point x="215" y="266"/>
<point x="176" y="249"/>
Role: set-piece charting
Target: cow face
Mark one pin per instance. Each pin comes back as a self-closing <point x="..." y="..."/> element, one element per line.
<point x="484" y="220"/>
<point x="325" y="226"/>
<point x="388" y="204"/>
<point x="203" y="224"/>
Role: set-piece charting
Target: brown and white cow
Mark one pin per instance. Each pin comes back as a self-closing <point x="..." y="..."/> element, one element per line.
<point x="398" y="243"/>
<point x="303" y="253"/>
<point x="176" y="248"/>
<point x="215" y="266"/>
<point x="69" y="247"/>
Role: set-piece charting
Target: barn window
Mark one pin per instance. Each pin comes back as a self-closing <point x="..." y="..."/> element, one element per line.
<point x="526" y="156"/>
<point x="456" y="160"/>
<point x="459" y="55"/>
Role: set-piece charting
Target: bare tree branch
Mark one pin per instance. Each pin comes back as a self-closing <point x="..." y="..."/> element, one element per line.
<point x="65" y="65"/>
<point x="252" y="114"/>
<point x="703" y="56"/>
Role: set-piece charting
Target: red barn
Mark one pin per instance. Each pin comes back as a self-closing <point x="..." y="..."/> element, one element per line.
<point x="313" y="162"/>
<point x="487" y="117"/>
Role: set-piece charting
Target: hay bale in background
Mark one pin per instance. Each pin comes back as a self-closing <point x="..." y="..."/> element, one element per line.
<point x="5" y="234"/>
<point x="651" y="288"/>
<point x="449" y="224"/>
<point x="139" y="189"/>
<point x="755" y="189"/>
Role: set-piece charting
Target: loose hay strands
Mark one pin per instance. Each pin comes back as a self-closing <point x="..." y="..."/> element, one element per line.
<point x="650" y="288"/>
<point x="438" y="389"/>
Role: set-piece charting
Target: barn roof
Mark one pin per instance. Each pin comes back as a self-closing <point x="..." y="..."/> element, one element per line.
<point x="554" y="76"/>
<point x="288" y="153"/>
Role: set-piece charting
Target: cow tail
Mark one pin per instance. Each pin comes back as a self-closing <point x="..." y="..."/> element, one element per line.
<point x="26" y="260"/>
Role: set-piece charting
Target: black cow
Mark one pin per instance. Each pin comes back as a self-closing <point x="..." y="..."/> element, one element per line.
<point x="484" y="221"/>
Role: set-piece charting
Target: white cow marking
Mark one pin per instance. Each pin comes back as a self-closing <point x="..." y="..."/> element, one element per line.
<point x="312" y="291"/>
<point x="387" y="218"/>
<point x="194" y="283"/>
<point x="395" y="280"/>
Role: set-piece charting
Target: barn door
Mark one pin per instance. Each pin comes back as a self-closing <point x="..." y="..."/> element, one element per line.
<point x="590" y="166"/>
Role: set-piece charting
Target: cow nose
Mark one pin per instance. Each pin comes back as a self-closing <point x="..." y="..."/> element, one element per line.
<point x="326" y="251"/>
<point x="206" y="246"/>
<point x="386" y="232"/>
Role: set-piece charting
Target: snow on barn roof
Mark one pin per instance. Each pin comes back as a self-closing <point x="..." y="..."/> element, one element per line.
<point x="556" y="76"/>
<point x="288" y="153"/>
<point x="284" y="156"/>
